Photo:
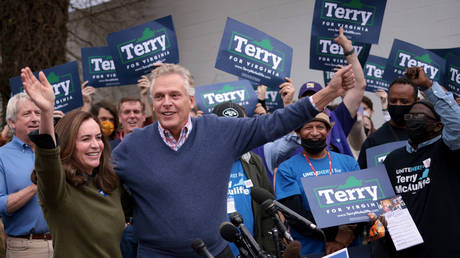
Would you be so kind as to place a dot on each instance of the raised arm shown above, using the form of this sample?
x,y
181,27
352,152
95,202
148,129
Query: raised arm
x,y
342,81
444,104
42,94
352,98
87,94
144,84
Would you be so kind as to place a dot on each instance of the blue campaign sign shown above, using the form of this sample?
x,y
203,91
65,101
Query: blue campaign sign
x,y
377,154
66,85
273,99
404,55
444,52
239,92
360,19
136,49
373,72
347,198
253,55
453,74
326,55
98,67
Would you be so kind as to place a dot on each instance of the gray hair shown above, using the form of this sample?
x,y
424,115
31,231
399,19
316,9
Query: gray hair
x,y
12,107
166,69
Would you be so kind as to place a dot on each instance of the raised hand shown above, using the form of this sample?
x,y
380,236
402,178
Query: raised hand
x,y
418,77
261,91
40,92
342,80
343,41
87,92
287,91
143,84
383,98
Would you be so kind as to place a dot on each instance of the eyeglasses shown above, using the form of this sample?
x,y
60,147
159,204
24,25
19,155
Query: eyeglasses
x,y
417,116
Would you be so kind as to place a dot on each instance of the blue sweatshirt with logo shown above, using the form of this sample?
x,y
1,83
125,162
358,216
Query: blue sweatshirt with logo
x,y
181,195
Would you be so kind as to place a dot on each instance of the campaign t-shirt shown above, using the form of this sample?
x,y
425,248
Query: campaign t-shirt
x,y
288,183
239,198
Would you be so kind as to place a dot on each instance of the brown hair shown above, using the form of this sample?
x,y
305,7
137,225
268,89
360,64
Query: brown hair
x,y
130,99
104,175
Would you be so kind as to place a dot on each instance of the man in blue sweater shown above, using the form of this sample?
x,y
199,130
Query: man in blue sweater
x,y
177,169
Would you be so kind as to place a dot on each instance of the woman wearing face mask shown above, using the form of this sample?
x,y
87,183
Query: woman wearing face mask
x,y
78,189
107,116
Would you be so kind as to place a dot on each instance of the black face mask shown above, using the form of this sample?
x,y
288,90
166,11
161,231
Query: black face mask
x,y
397,113
313,146
419,130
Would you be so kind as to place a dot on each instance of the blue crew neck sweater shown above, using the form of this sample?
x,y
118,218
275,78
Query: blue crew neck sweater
x,y
181,195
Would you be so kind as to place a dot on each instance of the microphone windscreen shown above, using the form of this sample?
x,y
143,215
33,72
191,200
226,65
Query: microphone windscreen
x,y
229,232
197,244
292,250
260,195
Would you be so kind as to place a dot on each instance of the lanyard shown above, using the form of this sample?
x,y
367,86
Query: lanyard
x,y
312,168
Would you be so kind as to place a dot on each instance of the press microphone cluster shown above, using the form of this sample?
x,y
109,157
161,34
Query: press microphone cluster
x,y
242,238
268,202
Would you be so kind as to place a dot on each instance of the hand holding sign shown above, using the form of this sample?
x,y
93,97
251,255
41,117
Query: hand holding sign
x,y
287,91
86,93
40,92
143,84
418,76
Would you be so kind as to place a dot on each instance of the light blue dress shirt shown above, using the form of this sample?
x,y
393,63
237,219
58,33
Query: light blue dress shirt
x,y
16,165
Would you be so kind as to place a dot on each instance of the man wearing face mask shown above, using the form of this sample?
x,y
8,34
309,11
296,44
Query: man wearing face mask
x,y
314,160
402,94
426,172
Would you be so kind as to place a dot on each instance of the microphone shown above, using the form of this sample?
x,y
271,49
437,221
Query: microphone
x,y
267,200
200,248
230,233
292,250
237,220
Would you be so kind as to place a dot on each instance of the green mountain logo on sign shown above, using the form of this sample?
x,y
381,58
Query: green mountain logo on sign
x,y
353,12
226,93
62,84
352,191
150,42
101,64
261,52
405,59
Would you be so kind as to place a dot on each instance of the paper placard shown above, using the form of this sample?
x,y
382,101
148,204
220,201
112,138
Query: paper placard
x,y
98,67
348,197
253,55
361,19
65,82
136,49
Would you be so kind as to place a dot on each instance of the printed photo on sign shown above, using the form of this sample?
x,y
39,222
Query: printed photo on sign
x,y
239,92
347,198
404,55
373,72
253,55
137,49
98,67
65,82
377,154
326,55
360,19
453,75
